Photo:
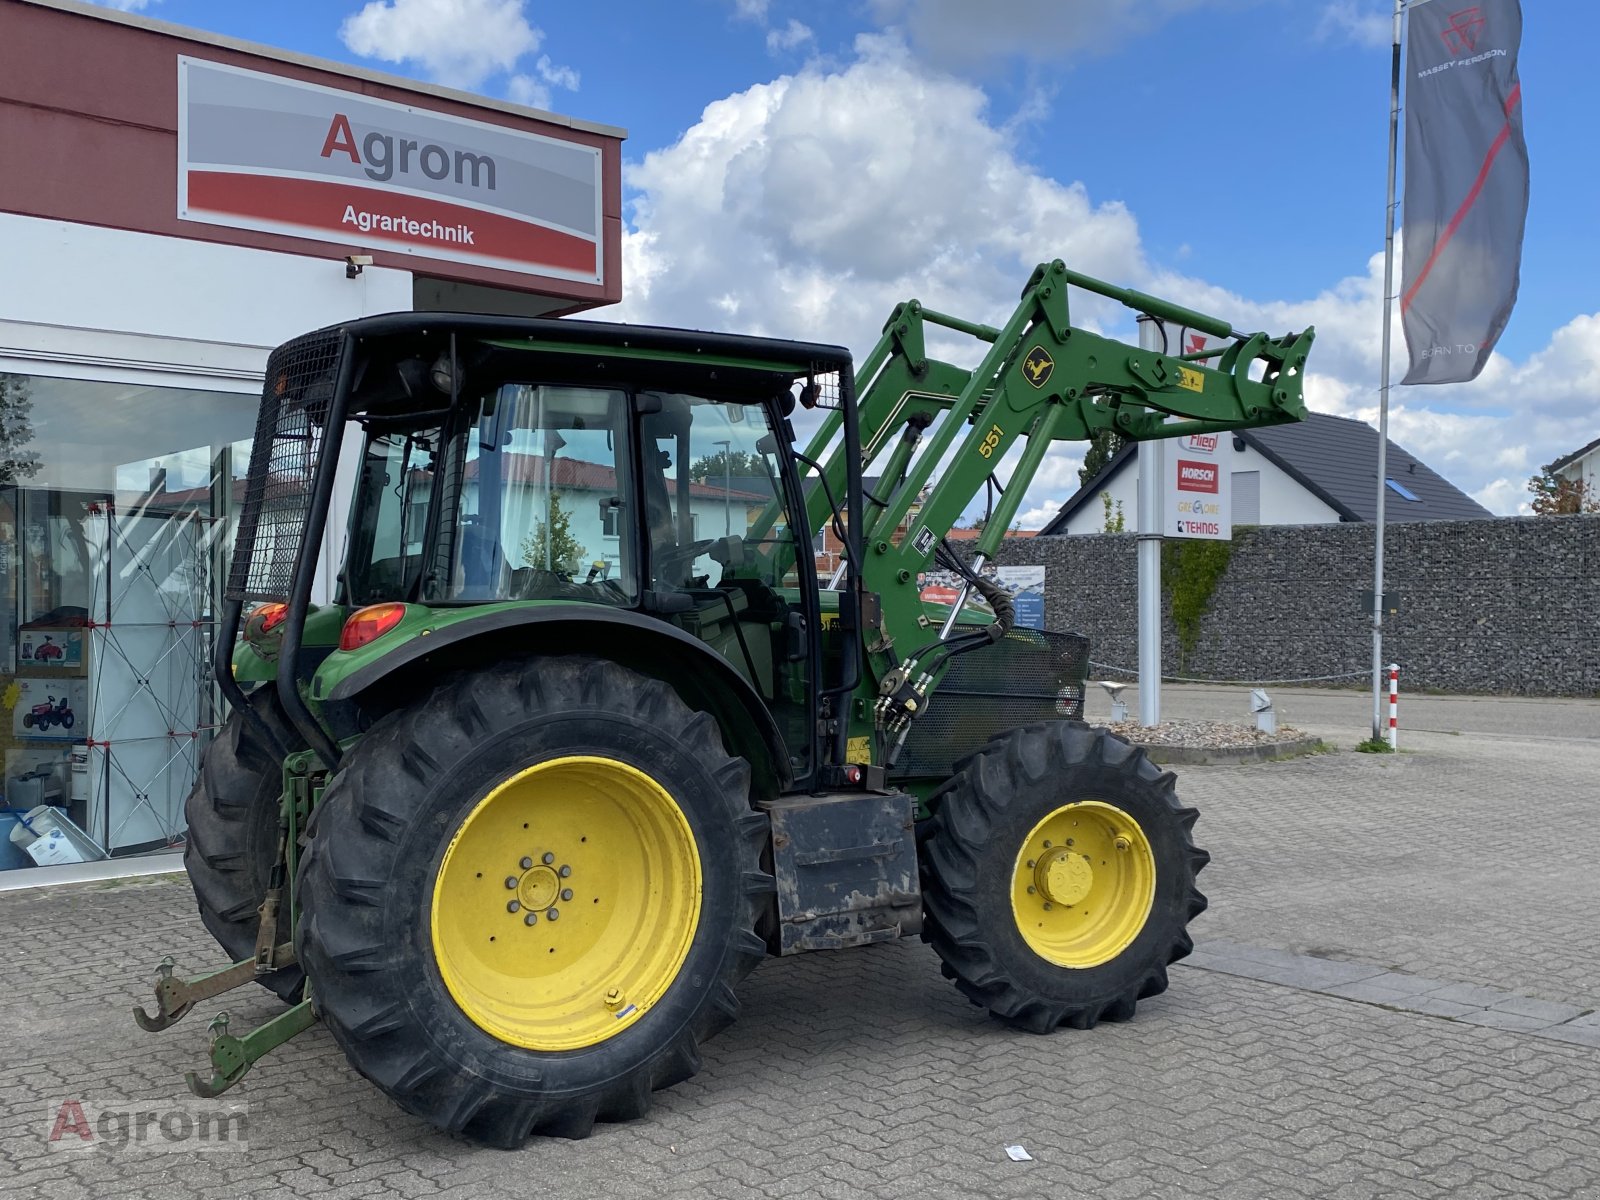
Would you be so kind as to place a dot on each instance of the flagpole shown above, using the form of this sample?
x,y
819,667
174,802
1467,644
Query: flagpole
x,y
1383,381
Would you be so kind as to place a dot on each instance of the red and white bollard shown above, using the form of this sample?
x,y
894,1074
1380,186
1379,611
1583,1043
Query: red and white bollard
x,y
1394,706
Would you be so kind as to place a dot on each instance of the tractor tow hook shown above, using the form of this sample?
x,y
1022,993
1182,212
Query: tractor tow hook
x,y
232,1057
175,997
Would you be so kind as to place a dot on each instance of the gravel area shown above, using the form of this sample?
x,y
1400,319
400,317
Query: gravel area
x,y
1203,735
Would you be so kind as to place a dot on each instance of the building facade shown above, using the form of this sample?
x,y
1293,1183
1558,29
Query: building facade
x,y
172,206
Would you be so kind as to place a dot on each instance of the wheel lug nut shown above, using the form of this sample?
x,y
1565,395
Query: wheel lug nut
x,y
1047,906
514,906
1069,841
511,881
565,871
552,913
1047,845
566,893
526,862
1030,862
1030,890
548,859
531,919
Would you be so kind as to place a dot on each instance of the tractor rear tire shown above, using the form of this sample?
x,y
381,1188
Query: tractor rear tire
x,y
1059,877
541,812
233,834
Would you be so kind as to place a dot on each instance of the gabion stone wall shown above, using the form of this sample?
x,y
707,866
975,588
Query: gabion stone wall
x,y
1506,606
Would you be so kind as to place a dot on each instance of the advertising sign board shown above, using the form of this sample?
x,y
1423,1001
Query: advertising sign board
x,y
279,155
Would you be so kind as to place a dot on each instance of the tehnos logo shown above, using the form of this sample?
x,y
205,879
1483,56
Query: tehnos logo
x,y
1196,476
382,156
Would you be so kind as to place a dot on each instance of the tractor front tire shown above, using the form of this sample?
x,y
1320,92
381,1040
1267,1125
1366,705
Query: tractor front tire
x,y
528,896
1059,877
233,812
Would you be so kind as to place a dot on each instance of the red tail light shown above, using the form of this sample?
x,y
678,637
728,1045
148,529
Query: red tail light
x,y
271,616
369,624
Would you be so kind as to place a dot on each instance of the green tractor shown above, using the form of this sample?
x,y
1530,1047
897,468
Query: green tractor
x,y
581,734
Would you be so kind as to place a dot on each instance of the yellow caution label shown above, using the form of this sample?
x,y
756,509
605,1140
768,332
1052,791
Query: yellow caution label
x,y
858,750
1191,379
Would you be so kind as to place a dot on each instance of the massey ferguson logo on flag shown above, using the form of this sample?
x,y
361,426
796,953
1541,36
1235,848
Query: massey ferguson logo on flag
x,y
264,152
1466,189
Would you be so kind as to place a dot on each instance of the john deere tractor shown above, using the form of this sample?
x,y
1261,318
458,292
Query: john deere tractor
x,y
584,730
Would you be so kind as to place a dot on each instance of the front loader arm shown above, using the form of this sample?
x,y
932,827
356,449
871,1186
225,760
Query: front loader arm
x,y
1042,381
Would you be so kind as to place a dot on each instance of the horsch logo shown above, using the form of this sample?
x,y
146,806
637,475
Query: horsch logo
x,y
382,157
1196,476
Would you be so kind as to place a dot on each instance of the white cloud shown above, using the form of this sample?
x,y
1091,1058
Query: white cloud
x,y
1357,21
459,43
534,90
958,32
790,37
751,10
124,5
807,207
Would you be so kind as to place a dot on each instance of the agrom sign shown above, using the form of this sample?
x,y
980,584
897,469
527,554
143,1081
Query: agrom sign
x,y
262,152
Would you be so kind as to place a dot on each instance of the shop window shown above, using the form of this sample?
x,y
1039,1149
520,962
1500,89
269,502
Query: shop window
x,y
116,511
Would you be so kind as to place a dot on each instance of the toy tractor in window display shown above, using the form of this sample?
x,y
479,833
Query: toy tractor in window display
x,y
580,737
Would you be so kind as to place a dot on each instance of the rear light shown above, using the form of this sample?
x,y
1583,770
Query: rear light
x,y
270,616
369,624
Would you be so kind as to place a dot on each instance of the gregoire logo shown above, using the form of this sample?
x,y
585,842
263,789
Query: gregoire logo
x,y
258,151
1197,476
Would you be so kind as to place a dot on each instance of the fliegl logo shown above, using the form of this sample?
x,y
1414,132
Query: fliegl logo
x,y
1204,443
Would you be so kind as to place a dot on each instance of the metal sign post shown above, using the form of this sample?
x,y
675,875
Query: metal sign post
x,y
1151,474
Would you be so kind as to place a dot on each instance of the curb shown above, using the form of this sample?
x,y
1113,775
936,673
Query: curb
x,y
1216,756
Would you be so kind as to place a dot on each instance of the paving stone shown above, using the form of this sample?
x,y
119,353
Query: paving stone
x,y
1429,1006
866,1074
1494,1018
1578,1035
1467,993
1552,1014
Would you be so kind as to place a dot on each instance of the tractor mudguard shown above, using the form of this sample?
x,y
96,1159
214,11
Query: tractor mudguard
x,y
464,637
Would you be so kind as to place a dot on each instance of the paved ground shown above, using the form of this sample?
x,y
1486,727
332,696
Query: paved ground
x,y
1263,1073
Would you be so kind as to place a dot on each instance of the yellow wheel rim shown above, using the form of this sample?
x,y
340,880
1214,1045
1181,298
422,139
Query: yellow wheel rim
x,y
1084,881
566,903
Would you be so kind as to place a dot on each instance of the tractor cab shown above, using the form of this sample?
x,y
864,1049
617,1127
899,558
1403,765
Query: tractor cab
x,y
509,475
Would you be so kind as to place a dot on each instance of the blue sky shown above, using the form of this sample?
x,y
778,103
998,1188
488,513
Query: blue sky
x,y
795,168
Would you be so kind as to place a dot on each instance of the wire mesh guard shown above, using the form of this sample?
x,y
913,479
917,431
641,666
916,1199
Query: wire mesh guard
x,y
1029,675
283,461
822,389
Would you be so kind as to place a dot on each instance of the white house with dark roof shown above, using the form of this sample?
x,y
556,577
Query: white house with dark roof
x,y
1581,466
1319,471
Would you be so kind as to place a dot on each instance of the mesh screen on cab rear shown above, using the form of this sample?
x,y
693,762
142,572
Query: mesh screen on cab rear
x,y
1029,675
277,498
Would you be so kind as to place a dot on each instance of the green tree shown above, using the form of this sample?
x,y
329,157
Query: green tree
x,y
1556,495
1103,447
1115,522
17,460
565,554
724,464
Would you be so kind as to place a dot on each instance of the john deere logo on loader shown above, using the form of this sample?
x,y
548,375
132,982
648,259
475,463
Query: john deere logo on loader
x,y
1037,366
